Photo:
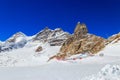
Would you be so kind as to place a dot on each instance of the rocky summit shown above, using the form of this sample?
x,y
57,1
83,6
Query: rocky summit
x,y
54,37
19,40
81,42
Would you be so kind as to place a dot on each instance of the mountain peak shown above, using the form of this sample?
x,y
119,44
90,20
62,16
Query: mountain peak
x,y
53,37
81,42
80,29
19,34
46,29
16,36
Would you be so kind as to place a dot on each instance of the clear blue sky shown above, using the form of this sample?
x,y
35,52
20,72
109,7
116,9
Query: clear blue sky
x,y
30,16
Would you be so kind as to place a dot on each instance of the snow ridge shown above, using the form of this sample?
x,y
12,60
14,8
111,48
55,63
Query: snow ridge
x,y
19,40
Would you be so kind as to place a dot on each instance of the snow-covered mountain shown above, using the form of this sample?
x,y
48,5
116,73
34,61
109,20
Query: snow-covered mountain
x,y
22,50
19,40
47,43
53,37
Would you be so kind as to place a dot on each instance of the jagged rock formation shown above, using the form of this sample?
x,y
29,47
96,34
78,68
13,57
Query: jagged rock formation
x,y
43,35
81,42
53,37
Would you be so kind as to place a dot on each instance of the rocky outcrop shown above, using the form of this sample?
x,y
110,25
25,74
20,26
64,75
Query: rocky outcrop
x,y
81,42
42,35
39,49
54,37
80,31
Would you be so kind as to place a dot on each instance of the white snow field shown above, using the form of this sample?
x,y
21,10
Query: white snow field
x,y
109,72
26,64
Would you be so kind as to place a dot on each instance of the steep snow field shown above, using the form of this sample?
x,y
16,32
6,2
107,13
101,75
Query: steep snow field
x,y
26,64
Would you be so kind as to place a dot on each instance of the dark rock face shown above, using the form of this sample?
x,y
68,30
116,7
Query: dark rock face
x,y
81,42
43,35
39,49
54,37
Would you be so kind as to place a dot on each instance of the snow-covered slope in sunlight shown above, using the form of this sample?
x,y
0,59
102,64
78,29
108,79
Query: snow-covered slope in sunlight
x,y
109,56
27,56
21,50
37,67
109,72
50,71
112,49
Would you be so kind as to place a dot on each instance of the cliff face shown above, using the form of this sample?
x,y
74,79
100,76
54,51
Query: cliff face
x,y
54,37
81,42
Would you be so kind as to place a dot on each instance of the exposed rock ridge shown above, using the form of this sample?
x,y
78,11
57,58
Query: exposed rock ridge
x,y
81,42
54,37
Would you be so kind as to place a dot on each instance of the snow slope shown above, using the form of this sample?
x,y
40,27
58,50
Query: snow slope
x,y
26,64
27,56
109,72
111,59
112,49
55,70
51,71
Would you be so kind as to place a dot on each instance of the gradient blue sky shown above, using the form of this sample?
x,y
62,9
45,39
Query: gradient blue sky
x,y
30,16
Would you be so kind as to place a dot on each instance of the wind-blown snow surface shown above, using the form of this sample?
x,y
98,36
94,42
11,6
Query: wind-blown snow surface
x,y
30,65
109,72
27,56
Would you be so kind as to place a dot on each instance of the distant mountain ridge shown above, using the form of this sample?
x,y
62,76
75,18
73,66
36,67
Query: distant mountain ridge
x,y
71,44
23,50
82,42
18,40
53,37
